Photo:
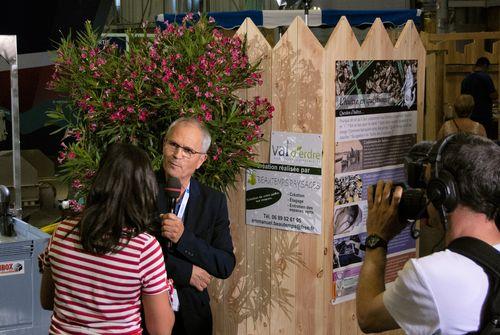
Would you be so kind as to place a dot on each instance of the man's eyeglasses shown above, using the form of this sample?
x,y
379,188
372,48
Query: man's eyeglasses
x,y
186,151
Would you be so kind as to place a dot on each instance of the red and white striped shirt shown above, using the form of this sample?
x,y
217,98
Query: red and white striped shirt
x,y
100,294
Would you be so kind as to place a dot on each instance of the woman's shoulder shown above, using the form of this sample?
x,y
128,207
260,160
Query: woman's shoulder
x,y
144,238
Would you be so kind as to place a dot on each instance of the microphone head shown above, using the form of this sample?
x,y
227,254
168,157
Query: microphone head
x,y
173,187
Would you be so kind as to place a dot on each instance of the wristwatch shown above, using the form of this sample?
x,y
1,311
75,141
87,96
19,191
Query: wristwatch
x,y
374,241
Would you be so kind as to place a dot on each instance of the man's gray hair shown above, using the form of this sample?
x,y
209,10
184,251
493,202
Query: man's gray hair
x,y
206,140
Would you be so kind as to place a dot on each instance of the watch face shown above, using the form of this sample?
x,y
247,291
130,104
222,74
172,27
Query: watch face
x,y
374,241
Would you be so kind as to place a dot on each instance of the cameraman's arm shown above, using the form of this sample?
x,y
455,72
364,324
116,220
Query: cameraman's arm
x,y
383,221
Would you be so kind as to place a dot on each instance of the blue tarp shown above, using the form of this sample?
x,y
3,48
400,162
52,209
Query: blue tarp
x,y
396,17
326,17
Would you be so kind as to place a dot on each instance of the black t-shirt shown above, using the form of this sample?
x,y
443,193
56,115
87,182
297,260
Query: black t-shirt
x,y
480,86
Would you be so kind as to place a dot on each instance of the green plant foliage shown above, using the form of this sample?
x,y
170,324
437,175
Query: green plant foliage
x,y
190,69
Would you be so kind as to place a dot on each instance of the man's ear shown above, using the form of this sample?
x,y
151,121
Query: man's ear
x,y
201,160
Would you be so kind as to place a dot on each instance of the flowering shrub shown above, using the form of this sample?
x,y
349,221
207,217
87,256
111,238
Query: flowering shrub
x,y
132,96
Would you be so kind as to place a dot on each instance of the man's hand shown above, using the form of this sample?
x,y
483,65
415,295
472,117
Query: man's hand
x,y
199,278
383,217
171,227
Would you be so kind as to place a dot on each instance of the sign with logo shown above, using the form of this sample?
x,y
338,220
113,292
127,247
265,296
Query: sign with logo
x,y
284,197
296,149
11,268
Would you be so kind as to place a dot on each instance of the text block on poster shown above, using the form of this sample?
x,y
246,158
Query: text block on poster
x,y
284,197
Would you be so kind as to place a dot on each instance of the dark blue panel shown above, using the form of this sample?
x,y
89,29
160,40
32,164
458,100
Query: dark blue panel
x,y
330,17
396,17
226,20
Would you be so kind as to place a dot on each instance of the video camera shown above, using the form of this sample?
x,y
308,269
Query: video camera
x,y
413,203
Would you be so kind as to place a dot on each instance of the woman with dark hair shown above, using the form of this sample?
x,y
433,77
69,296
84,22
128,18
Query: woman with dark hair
x,y
98,267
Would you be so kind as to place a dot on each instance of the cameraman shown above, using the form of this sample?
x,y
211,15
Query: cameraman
x,y
442,293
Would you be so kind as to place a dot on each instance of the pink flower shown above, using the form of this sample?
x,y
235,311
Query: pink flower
x,y
71,155
208,116
75,206
89,174
172,88
78,135
153,54
128,85
76,184
61,158
143,115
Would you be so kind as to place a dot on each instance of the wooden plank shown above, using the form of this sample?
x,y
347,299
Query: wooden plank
x,y
464,69
342,45
310,95
432,98
284,92
485,35
257,281
409,46
377,44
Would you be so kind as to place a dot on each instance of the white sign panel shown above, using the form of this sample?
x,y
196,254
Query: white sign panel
x,y
296,149
284,197
11,268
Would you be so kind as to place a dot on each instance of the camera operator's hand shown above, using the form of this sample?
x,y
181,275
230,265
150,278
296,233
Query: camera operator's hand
x,y
383,217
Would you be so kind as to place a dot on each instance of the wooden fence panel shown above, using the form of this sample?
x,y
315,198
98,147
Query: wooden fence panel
x,y
283,280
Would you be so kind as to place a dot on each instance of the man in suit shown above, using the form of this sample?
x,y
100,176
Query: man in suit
x,y
197,241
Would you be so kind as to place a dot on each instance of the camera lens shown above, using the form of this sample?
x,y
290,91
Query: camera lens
x,y
412,205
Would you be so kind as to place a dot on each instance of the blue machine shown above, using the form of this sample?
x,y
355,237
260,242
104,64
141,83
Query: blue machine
x,y
20,310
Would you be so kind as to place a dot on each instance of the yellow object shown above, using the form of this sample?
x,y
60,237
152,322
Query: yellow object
x,y
49,229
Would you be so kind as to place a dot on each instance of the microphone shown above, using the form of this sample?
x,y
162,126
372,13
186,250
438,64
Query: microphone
x,y
172,192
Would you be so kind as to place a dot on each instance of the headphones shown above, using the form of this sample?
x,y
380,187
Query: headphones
x,y
442,188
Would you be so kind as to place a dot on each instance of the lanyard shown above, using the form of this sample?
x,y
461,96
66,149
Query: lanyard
x,y
182,207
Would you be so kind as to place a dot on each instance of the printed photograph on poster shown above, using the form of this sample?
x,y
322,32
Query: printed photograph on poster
x,y
375,84
396,174
345,279
284,197
345,283
348,250
349,219
372,153
299,149
349,255
353,188
348,156
348,189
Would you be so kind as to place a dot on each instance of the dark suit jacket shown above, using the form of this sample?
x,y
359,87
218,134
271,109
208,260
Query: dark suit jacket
x,y
206,242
